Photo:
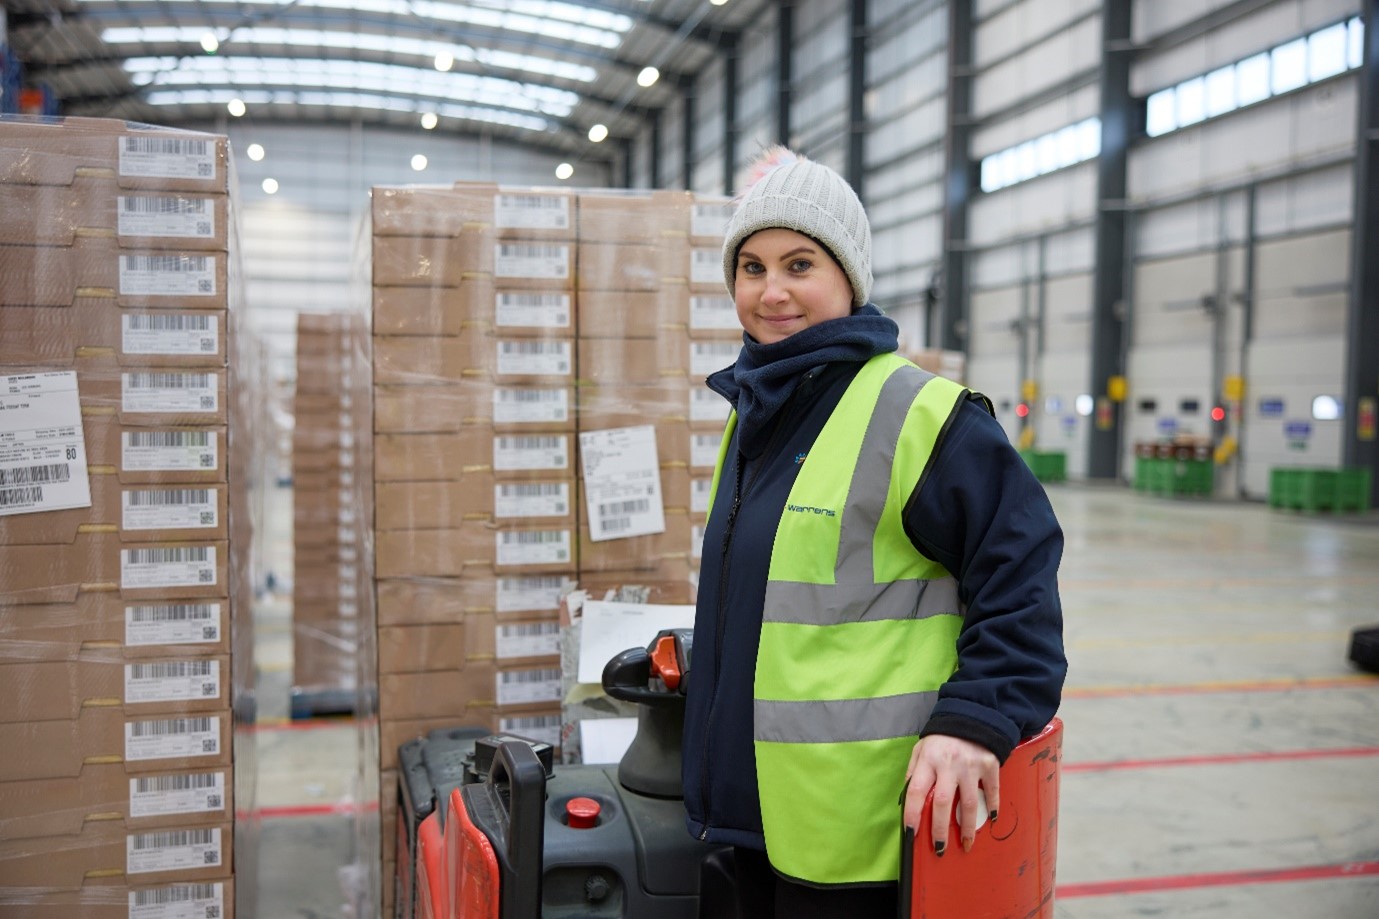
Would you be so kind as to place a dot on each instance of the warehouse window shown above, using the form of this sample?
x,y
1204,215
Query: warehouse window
x,y
1059,149
1289,66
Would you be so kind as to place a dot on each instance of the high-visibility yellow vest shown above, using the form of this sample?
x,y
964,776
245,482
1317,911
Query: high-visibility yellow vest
x,y
859,631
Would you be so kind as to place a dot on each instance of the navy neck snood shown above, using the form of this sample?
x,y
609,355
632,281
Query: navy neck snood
x,y
765,376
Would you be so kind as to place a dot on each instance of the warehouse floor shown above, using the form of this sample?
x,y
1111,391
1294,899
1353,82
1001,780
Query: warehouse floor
x,y
1221,756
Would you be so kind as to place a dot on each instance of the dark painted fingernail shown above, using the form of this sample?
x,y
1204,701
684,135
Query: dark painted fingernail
x,y
938,849
993,816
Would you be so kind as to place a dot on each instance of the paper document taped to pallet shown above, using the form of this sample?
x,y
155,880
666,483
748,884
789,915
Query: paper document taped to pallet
x,y
608,629
42,446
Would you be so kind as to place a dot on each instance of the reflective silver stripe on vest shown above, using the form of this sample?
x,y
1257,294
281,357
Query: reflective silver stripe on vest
x,y
855,596
844,720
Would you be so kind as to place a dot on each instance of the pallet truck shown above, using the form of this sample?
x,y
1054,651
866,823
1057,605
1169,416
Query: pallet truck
x,y
489,828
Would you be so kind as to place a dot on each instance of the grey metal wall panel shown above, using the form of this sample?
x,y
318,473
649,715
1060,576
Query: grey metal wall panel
x,y
1278,428
1307,202
1046,203
1041,67
1069,108
1302,286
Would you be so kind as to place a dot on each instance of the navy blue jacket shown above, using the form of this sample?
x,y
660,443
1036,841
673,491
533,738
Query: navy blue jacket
x,y
978,511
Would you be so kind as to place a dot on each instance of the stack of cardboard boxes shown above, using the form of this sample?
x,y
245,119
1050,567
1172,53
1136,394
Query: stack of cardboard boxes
x,y
329,511
537,356
122,643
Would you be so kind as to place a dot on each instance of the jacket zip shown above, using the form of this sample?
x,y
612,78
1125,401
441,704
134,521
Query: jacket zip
x,y
739,492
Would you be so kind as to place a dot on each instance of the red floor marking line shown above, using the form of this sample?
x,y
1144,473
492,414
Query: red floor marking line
x,y
311,810
1220,759
1185,689
1218,879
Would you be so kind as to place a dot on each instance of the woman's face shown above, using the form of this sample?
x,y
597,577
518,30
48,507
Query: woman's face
x,y
786,282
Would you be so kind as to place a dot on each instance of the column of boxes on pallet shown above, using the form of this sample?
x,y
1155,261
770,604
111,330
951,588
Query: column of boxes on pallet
x,y
329,431
536,356
116,544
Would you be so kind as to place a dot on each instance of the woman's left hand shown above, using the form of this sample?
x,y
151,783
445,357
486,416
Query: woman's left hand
x,y
957,770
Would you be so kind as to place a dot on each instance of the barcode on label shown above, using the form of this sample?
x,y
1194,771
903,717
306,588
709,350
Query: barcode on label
x,y
162,670
172,839
174,263
169,438
534,347
528,676
165,146
167,380
534,300
534,490
508,443
164,205
178,612
182,893
167,497
165,783
167,556
36,475
529,723
170,726
530,395
637,506
532,201
171,322
519,250
552,583
532,538
14,497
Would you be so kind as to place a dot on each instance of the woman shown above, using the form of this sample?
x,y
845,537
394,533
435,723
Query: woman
x,y
878,609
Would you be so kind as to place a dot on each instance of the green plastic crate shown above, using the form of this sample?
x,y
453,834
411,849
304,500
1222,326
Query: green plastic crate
x,y
1047,465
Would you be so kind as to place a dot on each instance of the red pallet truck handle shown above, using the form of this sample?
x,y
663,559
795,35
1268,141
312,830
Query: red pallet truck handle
x,y
1009,874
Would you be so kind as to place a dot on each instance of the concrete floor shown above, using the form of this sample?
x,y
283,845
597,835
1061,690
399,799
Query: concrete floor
x,y
1221,756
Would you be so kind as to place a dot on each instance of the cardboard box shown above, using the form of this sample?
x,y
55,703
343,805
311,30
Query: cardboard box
x,y
703,266
56,151
609,362
99,561
615,215
325,403
480,637
478,498
949,364
475,303
95,205
503,210
623,314
139,455
98,268
420,457
454,693
105,850
427,261
636,553
58,690
105,792
142,743
65,336
112,901
475,551
437,408
646,266
621,405
476,357
136,513
672,580
708,219
104,624
416,601
154,396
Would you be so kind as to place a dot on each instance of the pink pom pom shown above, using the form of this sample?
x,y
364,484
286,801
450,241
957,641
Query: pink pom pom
x,y
771,159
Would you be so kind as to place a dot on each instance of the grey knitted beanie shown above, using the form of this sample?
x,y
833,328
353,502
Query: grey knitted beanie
x,y
787,190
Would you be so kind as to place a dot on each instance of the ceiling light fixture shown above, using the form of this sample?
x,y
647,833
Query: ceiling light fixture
x,y
429,120
255,152
419,162
236,107
210,43
444,61
648,76
564,171
598,133
270,186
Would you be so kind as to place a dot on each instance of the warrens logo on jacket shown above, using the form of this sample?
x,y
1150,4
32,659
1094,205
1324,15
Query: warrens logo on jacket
x,y
805,509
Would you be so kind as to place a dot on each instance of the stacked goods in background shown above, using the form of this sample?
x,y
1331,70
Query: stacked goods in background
x,y
125,621
331,429
536,356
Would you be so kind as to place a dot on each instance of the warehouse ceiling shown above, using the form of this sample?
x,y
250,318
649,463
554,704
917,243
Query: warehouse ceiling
x,y
540,72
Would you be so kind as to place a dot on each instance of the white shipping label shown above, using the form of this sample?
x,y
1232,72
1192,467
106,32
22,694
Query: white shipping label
x,y
707,405
170,509
178,901
171,681
533,547
171,738
704,449
531,499
169,393
167,158
710,313
532,310
176,334
533,358
534,451
164,795
538,592
174,217
710,219
173,850
169,451
531,212
531,406
527,639
537,261
172,624
706,266
42,445
179,566
522,687
622,481
541,728
167,275
699,495
709,356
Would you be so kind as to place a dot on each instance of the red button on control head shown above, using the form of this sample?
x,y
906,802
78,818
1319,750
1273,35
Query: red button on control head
x,y
582,813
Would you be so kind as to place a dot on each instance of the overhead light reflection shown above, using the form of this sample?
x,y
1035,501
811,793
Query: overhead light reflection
x,y
598,133
419,162
444,61
236,107
648,76
429,120
210,43
255,152
564,171
270,186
